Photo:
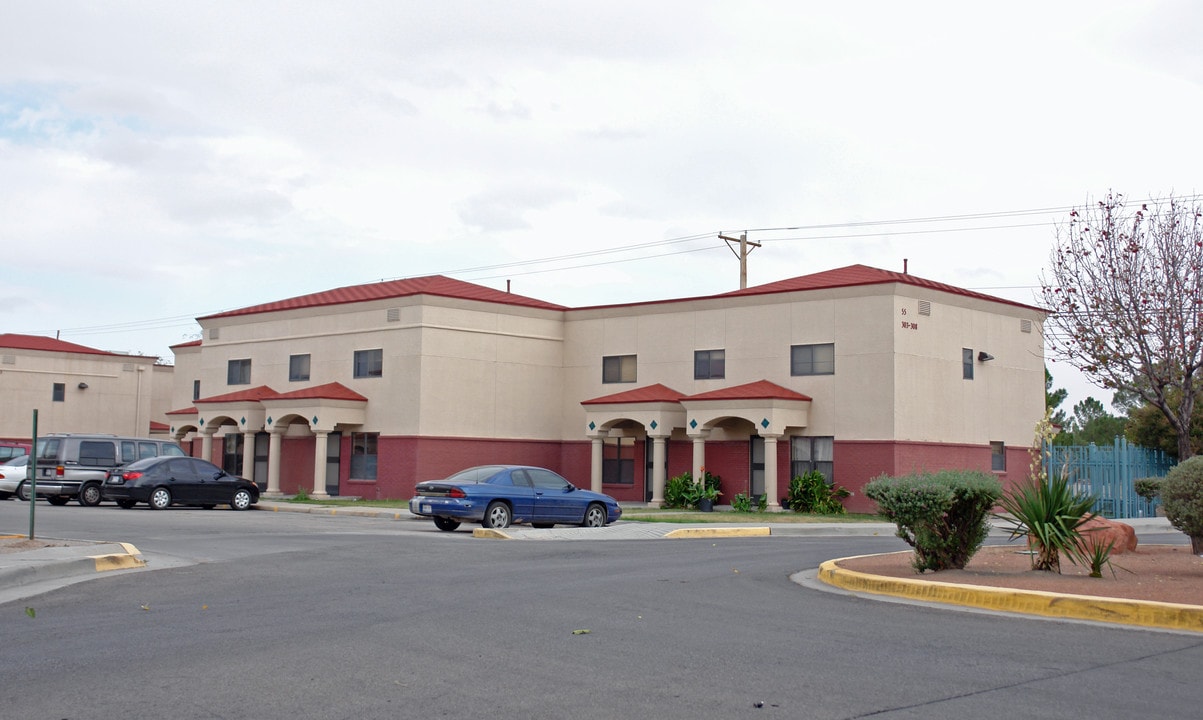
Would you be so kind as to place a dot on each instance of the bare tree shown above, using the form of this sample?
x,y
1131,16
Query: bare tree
x,y
1126,294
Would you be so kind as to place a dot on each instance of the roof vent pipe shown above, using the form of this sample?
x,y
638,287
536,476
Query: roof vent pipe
x,y
904,272
507,287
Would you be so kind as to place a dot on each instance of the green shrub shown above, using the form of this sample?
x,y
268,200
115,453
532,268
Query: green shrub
x,y
682,492
679,491
810,493
1048,513
941,515
741,503
1148,488
1182,499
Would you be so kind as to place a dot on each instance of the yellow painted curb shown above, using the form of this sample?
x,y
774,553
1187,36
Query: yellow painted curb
x,y
1170,616
131,558
718,532
490,533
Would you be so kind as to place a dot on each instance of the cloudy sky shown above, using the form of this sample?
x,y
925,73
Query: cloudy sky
x,y
161,161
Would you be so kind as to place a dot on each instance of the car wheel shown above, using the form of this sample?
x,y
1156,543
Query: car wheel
x,y
446,524
595,516
241,499
497,515
126,504
59,500
160,498
89,495
23,490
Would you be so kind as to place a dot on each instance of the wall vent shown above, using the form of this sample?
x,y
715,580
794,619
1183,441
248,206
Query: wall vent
x,y
8,359
394,314
1025,326
127,367
925,307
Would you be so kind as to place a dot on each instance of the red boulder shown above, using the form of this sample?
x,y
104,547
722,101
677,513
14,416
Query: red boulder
x,y
1099,531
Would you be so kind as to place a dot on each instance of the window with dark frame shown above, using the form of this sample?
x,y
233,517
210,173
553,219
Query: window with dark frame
x,y
59,392
298,368
812,453
196,389
618,369
816,359
618,461
369,363
998,456
967,363
709,364
363,455
238,372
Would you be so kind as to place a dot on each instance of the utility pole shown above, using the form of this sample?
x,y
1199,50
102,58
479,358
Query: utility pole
x,y
745,247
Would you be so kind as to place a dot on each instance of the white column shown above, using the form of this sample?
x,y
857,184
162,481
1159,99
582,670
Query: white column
x,y
699,456
273,462
248,456
207,444
319,464
595,466
657,472
770,472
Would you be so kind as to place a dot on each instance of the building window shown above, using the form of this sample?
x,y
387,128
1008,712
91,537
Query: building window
x,y
812,453
59,392
967,363
298,368
196,389
238,372
618,461
363,455
618,369
812,359
998,456
369,363
709,364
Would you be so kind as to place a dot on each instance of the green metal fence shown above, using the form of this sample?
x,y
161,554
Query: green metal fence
x,y
1108,473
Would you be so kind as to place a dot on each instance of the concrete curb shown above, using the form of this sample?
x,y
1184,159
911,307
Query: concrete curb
x,y
382,513
705,532
82,558
1120,611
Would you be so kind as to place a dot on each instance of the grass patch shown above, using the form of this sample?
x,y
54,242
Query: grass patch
x,y
729,516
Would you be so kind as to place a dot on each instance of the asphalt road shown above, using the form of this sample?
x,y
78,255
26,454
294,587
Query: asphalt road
x,y
274,615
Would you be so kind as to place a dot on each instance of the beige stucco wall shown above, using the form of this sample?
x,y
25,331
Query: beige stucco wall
x,y
458,368
118,397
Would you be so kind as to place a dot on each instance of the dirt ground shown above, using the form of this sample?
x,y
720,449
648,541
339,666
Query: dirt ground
x,y
1163,573
21,544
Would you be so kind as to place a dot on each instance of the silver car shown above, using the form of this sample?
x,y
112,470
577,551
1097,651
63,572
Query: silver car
x,y
12,474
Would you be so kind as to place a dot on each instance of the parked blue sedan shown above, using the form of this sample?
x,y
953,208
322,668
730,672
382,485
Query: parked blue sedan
x,y
497,495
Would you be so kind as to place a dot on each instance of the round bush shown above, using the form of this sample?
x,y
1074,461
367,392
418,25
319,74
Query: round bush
x,y
1182,498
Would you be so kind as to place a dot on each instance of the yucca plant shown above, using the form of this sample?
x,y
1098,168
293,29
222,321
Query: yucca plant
x,y
1049,514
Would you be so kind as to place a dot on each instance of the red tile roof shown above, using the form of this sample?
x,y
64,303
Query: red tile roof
x,y
651,393
854,275
183,411
759,390
430,285
159,427
47,344
190,343
329,391
254,394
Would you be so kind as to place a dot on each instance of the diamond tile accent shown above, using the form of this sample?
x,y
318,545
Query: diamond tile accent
x,y
653,425
592,426
764,423
315,419
244,421
693,424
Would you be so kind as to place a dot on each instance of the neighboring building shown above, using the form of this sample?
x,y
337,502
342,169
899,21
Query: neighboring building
x,y
79,389
367,390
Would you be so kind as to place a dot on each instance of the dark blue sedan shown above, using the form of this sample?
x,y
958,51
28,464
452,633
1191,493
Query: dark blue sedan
x,y
497,495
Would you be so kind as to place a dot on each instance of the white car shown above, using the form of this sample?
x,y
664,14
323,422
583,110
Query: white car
x,y
12,473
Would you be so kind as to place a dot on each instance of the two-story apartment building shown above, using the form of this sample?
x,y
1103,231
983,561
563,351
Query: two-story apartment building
x,y
76,388
367,390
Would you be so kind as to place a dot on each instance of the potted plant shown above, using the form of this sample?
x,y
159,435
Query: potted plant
x,y
706,494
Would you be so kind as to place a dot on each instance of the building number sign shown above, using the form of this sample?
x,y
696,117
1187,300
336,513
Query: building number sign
x,y
908,325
